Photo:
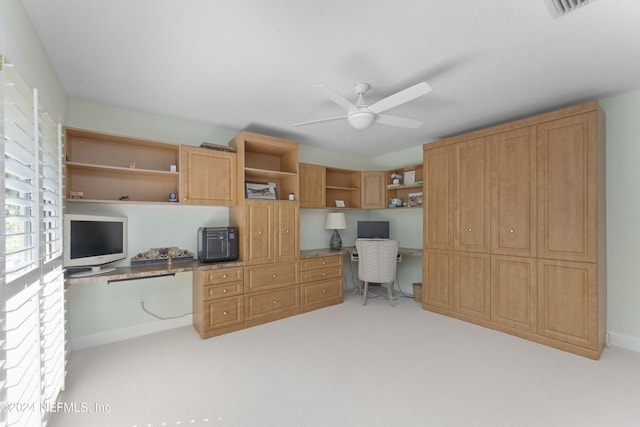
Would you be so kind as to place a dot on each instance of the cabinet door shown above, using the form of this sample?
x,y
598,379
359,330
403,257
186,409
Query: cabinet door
x,y
438,190
373,191
312,186
208,177
567,302
513,193
472,284
513,292
567,188
286,227
472,196
437,277
259,239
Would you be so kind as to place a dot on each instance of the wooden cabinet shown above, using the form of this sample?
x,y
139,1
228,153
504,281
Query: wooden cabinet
x,y
321,282
270,276
269,231
343,185
218,304
312,186
543,228
373,190
114,168
208,177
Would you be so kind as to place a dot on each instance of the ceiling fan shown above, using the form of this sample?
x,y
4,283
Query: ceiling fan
x,y
361,116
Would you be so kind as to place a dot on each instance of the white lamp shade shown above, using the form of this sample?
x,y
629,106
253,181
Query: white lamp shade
x,y
335,221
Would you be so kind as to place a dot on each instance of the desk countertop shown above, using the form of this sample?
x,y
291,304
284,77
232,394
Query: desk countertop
x,y
155,270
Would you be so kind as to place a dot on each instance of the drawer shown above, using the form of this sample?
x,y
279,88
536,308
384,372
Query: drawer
x,y
222,290
271,305
223,275
224,313
320,274
322,294
270,276
321,262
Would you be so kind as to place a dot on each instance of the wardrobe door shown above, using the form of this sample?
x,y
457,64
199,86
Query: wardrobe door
x,y
513,193
514,292
567,188
438,190
472,196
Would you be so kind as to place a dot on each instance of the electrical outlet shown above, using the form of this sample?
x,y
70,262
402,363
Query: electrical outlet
x,y
142,299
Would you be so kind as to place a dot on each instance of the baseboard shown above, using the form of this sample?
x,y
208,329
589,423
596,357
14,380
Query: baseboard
x,y
623,341
130,332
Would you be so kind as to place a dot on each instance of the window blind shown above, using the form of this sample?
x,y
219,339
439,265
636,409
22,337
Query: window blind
x,y
33,334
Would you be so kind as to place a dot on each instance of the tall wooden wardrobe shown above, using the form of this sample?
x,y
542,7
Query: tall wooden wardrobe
x,y
514,228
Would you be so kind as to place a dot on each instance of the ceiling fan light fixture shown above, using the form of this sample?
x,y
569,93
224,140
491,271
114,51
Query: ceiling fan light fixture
x,y
361,119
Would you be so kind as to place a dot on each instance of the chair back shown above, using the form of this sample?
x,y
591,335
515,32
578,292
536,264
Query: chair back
x,y
377,260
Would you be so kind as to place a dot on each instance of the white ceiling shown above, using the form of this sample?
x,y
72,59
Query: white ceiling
x,y
253,64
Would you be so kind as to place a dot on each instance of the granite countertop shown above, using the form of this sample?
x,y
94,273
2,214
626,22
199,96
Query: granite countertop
x,y
156,270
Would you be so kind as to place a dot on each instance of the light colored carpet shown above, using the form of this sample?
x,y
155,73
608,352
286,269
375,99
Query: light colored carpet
x,y
349,365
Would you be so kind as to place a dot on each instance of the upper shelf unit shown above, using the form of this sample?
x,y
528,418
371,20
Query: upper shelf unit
x,y
104,167
409,187
342,185
266,159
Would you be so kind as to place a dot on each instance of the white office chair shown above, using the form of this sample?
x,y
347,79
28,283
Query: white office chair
x,y
377,264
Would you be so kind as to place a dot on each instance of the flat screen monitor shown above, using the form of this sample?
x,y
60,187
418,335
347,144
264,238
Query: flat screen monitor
x,y
373,229
92,241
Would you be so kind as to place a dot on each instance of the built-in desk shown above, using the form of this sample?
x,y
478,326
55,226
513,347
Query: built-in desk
x,y
353,253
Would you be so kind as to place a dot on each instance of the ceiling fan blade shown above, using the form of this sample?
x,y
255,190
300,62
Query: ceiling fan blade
x,y
311,122
402,122
400,97
338,99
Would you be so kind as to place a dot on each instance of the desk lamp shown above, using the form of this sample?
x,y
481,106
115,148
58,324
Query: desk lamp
x,y
335,221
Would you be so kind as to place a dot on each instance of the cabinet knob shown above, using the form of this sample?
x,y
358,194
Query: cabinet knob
x,y
324,274
287,231
259,231
469,230
275,301
185,198
511,230
324,292
322,262
224,291
275,275
225,313
224,276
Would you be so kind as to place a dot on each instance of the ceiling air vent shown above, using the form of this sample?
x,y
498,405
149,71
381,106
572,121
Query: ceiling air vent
x,y
559,8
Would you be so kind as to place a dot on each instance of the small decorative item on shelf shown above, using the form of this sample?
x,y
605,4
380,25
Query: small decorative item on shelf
x,y
161,255
292,197
340,204
396,177
124,197
76,194
260,190
414,199
172,168
410,177
132,165
396,203
173,197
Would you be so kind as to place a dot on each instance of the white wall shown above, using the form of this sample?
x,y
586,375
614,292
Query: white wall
x,y
623,215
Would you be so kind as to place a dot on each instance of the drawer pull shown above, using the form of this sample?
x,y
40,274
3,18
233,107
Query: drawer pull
x,y
275,301
324,292
511,230
324,274
287,231
275,275
259,231
224,291
225,313
469,230
224,276
323,262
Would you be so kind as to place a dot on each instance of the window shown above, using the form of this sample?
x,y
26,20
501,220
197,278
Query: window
x,y
32,336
